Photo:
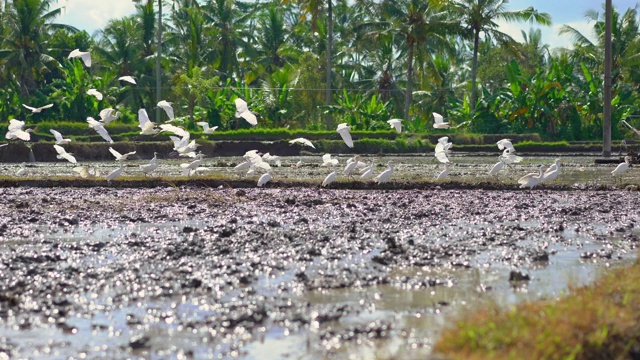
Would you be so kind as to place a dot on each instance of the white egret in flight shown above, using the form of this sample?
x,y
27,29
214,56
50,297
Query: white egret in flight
x,y
127,78
37,109
343,130
242,110
59,139
84,55
99,128
120,157
147,126
96,93
302,141
438,122
205,127
63,154
396,124
166,106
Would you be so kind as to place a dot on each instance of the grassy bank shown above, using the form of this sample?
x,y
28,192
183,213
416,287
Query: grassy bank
x,y
601,321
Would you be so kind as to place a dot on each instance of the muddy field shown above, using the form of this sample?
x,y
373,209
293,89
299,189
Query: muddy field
x,y
285,273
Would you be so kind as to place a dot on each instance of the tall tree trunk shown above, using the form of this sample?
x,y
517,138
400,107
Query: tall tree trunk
x,y
327,100
606,112
158,62
474,70
409,92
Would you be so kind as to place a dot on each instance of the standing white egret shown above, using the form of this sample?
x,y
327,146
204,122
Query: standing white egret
x,y
242,110
63,154
552,172
120,157
188,169
330,178
205,127
96,93
59,139
367,171
444,173
265,178
532,179
152,165
395,124
108,115
351,166
37,109
438,122
301,141
385,175
343,129
84,55
115,173
166,106
622,167
99,128
496,168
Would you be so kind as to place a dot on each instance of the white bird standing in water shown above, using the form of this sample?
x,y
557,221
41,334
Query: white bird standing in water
x,y
343,130
552,172
385,175
265,178
152,165
351,166
115,173
532,179
444,173
331,177
188,169
497,168
622,167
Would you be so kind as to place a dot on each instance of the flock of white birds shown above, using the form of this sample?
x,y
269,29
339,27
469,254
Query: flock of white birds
x,y
254,162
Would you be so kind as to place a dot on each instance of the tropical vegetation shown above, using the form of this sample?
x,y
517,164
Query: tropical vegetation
x,y
311,64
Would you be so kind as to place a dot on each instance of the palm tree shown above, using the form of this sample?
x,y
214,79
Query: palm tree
x,y
24,48
625,45
417,23
480,16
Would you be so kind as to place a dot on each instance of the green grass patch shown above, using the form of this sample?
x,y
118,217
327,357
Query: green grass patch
x,y
601,321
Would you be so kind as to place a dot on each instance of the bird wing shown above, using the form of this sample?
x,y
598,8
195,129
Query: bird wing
x,y
29,107
56,134
437,118
241,106
176,130
128,79
103,132
326,158
59,149
250,117
442,157
115,153
95,93
166,106
205,125
143,118
346,137
15,124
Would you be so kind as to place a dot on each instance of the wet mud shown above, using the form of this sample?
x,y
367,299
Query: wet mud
x,y
193,272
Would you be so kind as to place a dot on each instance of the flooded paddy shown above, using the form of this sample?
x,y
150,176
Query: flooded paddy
x,y
193,272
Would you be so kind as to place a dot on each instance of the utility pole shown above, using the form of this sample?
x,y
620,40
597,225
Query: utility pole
x,y
159,62
329,119
606,121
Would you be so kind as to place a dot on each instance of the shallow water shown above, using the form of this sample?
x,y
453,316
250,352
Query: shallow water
x,y
576,168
